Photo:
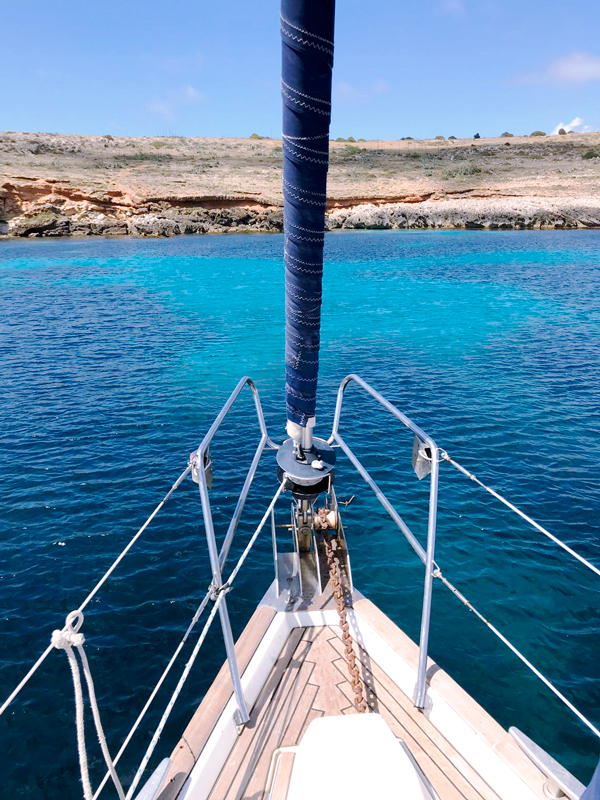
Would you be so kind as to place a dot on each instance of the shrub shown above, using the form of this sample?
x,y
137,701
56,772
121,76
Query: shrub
x,y
469,169
407,139
109,137
537,133
362,140
256,136
157,158
562,132
340,139
351,139
276,149
452,137
591,154
477,136
506,135
440,138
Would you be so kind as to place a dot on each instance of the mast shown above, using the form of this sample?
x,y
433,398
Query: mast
x,y
307,61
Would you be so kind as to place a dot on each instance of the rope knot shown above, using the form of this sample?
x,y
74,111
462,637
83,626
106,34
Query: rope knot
x,y
69,636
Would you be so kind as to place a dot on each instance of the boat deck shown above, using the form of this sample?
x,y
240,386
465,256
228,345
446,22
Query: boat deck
x,y
310,680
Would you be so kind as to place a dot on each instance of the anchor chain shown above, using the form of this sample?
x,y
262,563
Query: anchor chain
x,y
333,562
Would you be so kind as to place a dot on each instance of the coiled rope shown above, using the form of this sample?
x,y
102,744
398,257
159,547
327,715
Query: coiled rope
x,y
67,639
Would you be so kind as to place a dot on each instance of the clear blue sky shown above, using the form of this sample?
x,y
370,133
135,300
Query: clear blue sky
x,y
207,68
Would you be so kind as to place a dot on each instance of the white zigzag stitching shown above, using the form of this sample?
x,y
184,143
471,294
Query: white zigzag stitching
x,y
306,105
305,158
308,149
305,41
304,199
306,230
307,33
307,96
306,191
307,138
304,238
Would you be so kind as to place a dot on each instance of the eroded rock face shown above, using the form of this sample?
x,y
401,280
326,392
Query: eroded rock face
x,y
54,208
472,213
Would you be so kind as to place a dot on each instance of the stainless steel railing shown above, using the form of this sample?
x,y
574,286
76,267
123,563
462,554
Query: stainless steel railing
x,y
217,559
426,556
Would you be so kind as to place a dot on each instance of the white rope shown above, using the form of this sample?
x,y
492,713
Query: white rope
x,y
66,639
221,594
118,560
524,516
174,697
437,574
261,525
161,680
95,590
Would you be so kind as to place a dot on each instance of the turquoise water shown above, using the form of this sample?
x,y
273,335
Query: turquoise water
x,y
116,356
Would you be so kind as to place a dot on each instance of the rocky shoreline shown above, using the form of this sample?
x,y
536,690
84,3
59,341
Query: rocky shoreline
x,y
55,185
165,219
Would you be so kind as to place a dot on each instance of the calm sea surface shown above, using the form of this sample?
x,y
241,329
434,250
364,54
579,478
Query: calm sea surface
x,y
116,355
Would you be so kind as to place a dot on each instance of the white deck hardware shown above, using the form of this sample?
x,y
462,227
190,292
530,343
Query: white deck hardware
x,y
354,757
560,782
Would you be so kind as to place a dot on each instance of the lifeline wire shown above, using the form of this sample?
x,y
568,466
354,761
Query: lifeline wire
x,y
96,588
437,574
222,592
174,697
536,525
154,692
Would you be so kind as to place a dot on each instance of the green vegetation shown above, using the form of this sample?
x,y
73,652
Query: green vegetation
x,y
506,135
468,169
157,158
256,136
591,154
537,133
562,132
440,138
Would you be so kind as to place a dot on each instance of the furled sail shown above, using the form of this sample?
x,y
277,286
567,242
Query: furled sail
x,y
307,38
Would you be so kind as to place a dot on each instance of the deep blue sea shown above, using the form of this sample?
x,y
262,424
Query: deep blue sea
x,y
115,356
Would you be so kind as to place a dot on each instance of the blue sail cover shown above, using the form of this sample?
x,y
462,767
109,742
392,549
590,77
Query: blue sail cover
x,y
307,38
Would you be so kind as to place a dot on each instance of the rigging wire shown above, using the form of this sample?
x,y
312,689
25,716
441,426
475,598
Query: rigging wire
x,y
221,592
96,589
524,516
438,574
154,692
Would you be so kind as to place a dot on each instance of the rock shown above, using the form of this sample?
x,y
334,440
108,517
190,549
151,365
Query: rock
x,y
275,219
46,223
150,225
